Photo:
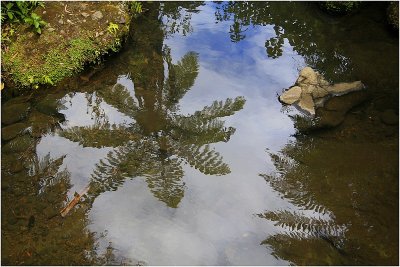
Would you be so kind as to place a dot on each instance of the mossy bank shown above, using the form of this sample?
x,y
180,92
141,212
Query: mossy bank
x,y
76,34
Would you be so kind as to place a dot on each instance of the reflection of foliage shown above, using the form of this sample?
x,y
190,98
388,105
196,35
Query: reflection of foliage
x,y
159,141
332,209
47,170
181,76
152,156
33,233
291,21
177,16
339,7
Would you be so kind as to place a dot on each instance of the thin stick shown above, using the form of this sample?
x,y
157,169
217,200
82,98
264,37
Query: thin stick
x,y
73,202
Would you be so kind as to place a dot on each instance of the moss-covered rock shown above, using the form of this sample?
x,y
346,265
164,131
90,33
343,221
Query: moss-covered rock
x,y
393,14
339,7
76,33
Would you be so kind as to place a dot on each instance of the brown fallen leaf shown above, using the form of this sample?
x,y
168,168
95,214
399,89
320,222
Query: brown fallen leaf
x,y
73,202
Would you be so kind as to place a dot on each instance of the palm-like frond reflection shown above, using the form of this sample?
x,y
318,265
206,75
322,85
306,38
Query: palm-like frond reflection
x,y
159,140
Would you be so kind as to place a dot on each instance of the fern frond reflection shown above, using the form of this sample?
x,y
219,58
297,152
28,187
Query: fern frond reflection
x,y
159,141
310,221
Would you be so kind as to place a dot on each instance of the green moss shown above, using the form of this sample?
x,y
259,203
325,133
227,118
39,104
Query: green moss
x,y
31,60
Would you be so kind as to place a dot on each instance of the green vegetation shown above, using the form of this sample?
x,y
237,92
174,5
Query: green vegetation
x,y
135,7
22,11
66,44
59,62
112,28
339,7
393,14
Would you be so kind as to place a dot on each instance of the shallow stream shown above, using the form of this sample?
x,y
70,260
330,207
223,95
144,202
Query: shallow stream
x,y
189,157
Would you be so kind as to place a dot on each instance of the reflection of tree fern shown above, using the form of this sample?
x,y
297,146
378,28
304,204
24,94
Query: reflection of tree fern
x,y
119,98
203,128
181,77
165,181
285,180
99,135
220,109
199,132
291,179
155,144
303,226
46,171
120,164
203,158
305,251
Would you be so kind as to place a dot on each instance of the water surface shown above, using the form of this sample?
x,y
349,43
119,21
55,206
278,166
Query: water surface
x,y
192,160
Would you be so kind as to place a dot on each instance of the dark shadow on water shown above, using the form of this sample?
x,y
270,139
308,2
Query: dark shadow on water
x,y
345,197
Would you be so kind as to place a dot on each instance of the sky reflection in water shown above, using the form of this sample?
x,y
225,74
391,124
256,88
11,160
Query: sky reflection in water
x,y
215,223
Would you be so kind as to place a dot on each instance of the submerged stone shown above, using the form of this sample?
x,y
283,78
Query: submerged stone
x,y
332,113
17,100
11,163
13,113
19,144
12,131
41,123
48,105
389,117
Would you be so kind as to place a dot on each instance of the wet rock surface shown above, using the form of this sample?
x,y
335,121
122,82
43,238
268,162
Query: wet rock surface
x,y
311,91
11,163
12,131
19,144
13,113
48,105
389,117
41,123
332,114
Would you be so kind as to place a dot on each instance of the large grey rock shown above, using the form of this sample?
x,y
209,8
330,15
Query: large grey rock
x,y
12,131
13,113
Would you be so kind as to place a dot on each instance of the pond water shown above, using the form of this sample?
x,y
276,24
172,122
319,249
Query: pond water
x,y
189,157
